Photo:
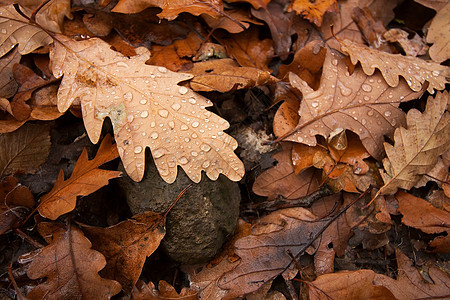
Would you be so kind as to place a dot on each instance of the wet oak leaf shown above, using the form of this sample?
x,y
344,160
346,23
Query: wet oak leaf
x,y
127,244
282,180
313,10
418,146
363,104
147,108
416,71
224,75
25,149
164,292
86,178
51,15
171,9
15,30
439,35
70,266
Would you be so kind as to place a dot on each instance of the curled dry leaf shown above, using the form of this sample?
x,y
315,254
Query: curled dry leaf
x,y
365,105
15,30
439,36
415,71
70,267
171,9
51,15
418,147
312,10
164,292
24,150
127,244
224,75
86,178
147,109
282,180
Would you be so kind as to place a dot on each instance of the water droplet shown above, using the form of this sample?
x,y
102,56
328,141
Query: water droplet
x,y
345,91
194,153
358,170
158,153
130,118
387,113
122,64
183,90
138,149
366,88
314,104
162,69
4,31
363,121
192,100
205,147
183,160
143,101
195,124
184,127
370,113
128,96
366,98
334,62
435,73
154,135
172,124
176,106
163,113
144,114
187,140
194,135
152,124
205,164
300,139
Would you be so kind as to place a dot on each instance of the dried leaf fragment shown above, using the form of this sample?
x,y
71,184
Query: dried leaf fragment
x,y
147,108
70,266
86,178
415,71
418,146
313,10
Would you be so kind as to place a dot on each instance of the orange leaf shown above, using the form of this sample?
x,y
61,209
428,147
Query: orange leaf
x,y
86,178
166,292
313,10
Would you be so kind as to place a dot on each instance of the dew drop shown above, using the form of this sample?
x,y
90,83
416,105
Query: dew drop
x,y
363,121
387,113
144,114
183,90
138,149
183,160
154,135
435,73
143,101
122,64
162,69
158,153
345,91
334,62
4,31
176,106
358,170
205,164
163,113
370,113
300,139
184,127
172,124
194,153
128,96
192,100
366,98
194,135
366,88
130,118
195,124
314,104
152,124
187,140
205,147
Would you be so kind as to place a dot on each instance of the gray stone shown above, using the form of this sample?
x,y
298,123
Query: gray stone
x,y
201,221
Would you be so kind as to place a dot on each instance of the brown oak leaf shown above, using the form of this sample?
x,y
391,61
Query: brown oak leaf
x,y
313,11
438,35
70,267
8,86
165,291
86,178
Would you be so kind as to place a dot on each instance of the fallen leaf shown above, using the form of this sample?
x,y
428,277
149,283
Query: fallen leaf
x,y
51,15
224,75
8,86
248,49
282,180
415,71
255,3
437,5
372,29
70,266
313,11
410,284
24,150
127,244
438,35
15,202
286,117
233,21
86,178
171,9
412,47
350,285
148,291
147,109
418,146
365,105
16,30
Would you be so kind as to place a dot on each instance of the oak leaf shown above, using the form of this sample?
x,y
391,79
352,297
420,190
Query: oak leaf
x,y
24,150
224,75
86,178
147,109
165,291
234,21
51,15
127,244
313,11
70,266
8,86
16,30
418,146
416,71
438,35
171,9
365,105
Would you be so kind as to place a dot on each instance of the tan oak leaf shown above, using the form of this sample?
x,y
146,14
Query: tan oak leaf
x,y
363,104
147,108
418,146
439,35
416,71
